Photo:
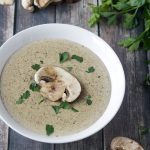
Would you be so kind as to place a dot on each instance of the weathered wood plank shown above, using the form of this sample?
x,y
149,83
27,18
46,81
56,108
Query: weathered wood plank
x,y
78,14
24,19
6,31
135,107
18,142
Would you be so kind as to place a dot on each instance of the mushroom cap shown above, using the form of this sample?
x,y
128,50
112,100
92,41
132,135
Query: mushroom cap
x,y
56,83
73,87
124,143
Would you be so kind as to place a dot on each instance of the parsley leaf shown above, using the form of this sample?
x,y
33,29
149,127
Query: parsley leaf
x,y
63,57
120,5
90,70
41,61
143,130
36,67
41,101
63,105
136,2
75,110
147,61
88,100
23,97
78,58
49,129
35,87
126,42
129,21
56,109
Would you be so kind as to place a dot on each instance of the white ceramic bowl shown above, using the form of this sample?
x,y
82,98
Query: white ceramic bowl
x,y
86,38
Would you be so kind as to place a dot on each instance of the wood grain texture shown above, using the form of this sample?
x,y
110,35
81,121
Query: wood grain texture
x,y
135,108
18,142
78,14
23,20
6,31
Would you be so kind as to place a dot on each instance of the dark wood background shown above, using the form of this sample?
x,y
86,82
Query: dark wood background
x,y
135,110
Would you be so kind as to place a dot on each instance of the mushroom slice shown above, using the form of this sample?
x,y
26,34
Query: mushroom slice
x,y
42,3
73,88
124,143
56,83
45,74
53,90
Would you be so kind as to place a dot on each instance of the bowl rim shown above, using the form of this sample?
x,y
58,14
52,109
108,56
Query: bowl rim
x,y
73,137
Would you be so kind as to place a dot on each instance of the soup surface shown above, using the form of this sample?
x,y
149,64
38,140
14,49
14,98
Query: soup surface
x,y
35,112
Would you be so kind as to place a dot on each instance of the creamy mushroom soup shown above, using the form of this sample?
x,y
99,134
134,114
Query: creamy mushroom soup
x,y
67,98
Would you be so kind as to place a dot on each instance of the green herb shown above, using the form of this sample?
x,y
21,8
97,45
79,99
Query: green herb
x,y
89,100
36,67
78,58
75,110
69,69
143,130
41,61
56,109
90,70
147,80
41,101
130,13
147,61
49,129
35,87
23,97
63,105
63,57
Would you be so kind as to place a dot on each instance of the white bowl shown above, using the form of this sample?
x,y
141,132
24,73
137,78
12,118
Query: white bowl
x,y
81,36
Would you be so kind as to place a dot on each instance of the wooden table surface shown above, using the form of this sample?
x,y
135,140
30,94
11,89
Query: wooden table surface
x,y
135,110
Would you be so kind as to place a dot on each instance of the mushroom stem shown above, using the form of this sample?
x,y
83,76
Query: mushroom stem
x,y
28,5
124,143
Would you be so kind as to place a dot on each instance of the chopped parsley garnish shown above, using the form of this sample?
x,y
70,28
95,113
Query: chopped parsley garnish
x,y
75,110
90,70
41,101
69,69
49,129
56,109
41,61
63,57
63,105
23,97
35,87
78,58
147,61
36,67
143,130
88,100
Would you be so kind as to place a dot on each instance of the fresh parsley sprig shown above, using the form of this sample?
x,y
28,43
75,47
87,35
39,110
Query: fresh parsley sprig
x,y
129,12
23,97
64,105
